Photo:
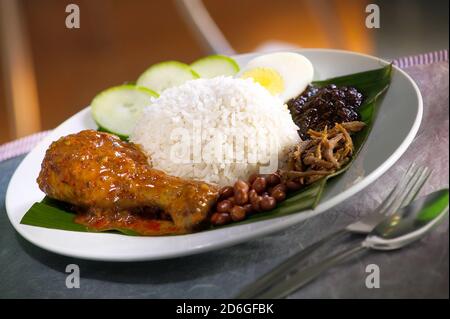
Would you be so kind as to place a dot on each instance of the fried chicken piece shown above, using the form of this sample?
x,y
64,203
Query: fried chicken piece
x,y
105,177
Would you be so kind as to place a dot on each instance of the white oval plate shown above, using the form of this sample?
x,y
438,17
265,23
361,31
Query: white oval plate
x,y
395,127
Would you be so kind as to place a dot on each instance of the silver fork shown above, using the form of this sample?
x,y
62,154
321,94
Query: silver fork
x,y
402,194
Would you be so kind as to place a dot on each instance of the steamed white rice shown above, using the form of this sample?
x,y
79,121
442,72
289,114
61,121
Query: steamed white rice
x,y
217,130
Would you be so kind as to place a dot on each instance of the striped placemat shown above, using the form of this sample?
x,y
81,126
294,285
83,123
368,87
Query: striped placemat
x,y
21,146
426,58
25,144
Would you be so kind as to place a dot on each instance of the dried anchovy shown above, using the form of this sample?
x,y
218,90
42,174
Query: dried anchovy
x,y
323,154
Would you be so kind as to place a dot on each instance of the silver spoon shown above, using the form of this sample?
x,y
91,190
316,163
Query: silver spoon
x,y
407,225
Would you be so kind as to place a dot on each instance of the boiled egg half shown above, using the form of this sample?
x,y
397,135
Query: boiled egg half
x,y
284,74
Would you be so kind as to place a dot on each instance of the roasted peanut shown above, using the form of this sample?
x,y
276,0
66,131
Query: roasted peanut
x,y
255,202
240,197
237,213
273,179
252,195
268,203
252,178
218,219
293,186
281,187
241,185
259,185
278,194
224,206
226,192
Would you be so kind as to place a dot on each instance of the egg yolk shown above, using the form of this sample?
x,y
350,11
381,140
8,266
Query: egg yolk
x,y
267,77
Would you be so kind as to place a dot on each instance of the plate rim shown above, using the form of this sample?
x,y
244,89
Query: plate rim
x,y
354,189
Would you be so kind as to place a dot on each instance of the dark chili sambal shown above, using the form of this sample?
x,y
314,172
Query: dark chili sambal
x,y
317,107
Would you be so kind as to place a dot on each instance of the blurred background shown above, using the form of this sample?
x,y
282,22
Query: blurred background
x,y
49,72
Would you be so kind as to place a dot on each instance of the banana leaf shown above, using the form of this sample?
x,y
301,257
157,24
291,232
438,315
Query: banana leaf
x,y
372,84
51,213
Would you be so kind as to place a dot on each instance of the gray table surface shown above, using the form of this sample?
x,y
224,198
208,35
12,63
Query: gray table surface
x,y
418,271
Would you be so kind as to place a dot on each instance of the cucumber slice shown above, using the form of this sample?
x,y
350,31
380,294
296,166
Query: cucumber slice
x,y
215,65
117,109
164,75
